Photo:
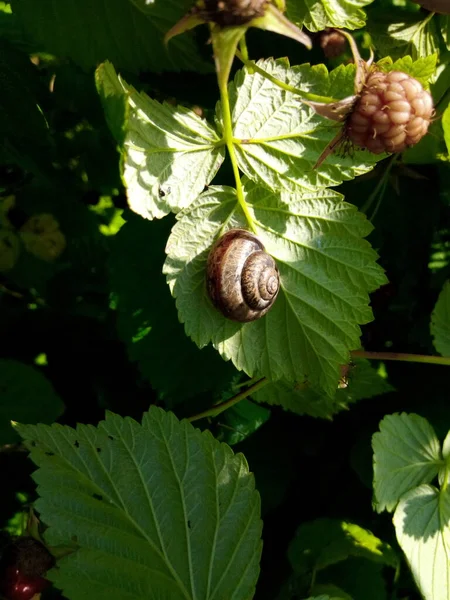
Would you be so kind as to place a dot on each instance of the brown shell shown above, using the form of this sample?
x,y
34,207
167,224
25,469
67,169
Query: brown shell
x,y
242,279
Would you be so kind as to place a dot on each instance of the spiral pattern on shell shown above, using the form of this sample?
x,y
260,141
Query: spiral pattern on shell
x,y
242,279
393,113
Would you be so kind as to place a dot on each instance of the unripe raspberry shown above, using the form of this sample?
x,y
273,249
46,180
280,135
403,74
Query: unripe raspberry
x,y
332,43
392,113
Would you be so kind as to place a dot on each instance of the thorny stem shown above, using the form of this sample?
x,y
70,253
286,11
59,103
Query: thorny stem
x,y
220,408
281,84
403,357
229,142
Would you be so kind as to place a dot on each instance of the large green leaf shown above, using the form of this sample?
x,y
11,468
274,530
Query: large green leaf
x,y
440,322
363,382
148,321
169,154
26,395
158,510
407,453
422,526
326,272
279,139
129,34
319,14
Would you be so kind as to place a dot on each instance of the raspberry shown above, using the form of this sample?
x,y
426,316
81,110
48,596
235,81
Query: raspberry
x,y
392,113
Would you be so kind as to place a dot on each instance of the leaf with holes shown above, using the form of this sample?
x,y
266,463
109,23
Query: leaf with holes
x,y
279,139
326,272
168,154
158,510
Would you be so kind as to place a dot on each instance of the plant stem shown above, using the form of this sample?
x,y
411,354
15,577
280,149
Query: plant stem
x,y
244,49
228,138
250,64
403,357
220,408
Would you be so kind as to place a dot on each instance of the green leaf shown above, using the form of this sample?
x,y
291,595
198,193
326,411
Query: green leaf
x,y
26,395
324,542
422,69
446,127
410,36
444,24
128,33
363,382
158,510
440,322
326,272
148,321
279,139
360,578
240,421
407,453
316,15
169,154
422,526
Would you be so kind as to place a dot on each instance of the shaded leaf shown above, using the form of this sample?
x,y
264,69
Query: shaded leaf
x,y
440,322
148,321
129,33
240,421
326,272
407,453
27,396
363,382
422,525
158,510
169,154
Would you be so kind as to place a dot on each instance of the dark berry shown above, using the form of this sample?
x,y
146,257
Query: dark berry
x,y
228,13
332,43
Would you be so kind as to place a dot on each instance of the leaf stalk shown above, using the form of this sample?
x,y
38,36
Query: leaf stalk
x,y
403,357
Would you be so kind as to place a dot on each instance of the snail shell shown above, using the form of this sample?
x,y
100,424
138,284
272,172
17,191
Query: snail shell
x,y
242,279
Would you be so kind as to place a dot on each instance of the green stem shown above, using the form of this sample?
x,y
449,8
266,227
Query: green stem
x,y
281,84
403,357
220,408
243,48
229,142
445,481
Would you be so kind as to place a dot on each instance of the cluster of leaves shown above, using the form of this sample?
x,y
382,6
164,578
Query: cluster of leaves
x,y
118,170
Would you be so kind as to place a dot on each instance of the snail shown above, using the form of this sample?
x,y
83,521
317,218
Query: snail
x,y
242,279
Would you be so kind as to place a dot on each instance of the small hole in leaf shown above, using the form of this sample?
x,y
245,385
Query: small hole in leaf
x,y
189,524
110,437
76,444
50,454
33,444
98,449
97,497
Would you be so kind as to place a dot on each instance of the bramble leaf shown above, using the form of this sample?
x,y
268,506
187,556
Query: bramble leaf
x,y
158,510
316,15
444,23
422,525
128,33
326,272
407,453
279,139
440,322
363,382
422,69
169,154
26,395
